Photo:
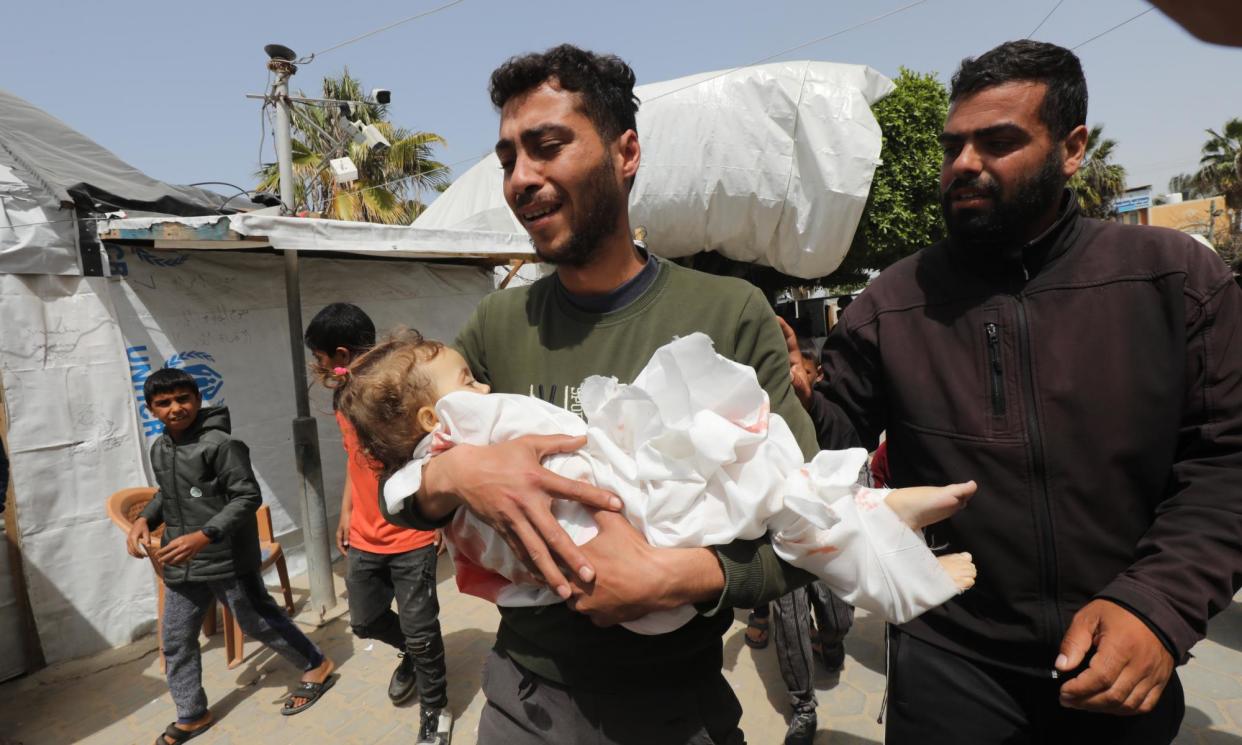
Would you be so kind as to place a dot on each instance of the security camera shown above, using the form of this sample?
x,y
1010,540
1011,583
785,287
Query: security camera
x,y
381,95
343,170
354,130
375,139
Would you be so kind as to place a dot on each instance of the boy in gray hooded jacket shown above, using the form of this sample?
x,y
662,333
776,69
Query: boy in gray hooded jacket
x,y
207,501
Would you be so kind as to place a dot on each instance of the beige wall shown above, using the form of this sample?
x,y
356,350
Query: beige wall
x,y
1191,216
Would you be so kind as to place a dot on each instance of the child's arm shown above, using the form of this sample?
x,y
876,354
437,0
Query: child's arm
x,y
347,508
241,489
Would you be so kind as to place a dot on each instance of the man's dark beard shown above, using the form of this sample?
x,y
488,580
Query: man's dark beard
x,y
599,206
1009,217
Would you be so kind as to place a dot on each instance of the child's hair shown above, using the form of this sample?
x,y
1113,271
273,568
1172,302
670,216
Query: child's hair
x,y
167,380
806,347
340,325
383,391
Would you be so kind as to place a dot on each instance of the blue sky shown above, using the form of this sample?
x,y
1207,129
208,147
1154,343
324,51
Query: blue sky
x,y
162,84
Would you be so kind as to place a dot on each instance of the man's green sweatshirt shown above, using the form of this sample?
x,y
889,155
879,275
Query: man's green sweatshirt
x,y
531,340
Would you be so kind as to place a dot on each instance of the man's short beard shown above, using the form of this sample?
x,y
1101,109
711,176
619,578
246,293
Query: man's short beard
x,y
600,203
1009,216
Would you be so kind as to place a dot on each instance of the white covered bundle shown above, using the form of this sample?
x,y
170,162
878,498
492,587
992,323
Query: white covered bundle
x,y
768,164
697,458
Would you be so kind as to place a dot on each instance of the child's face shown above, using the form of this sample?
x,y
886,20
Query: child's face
x,y
449,372
814,372
177,409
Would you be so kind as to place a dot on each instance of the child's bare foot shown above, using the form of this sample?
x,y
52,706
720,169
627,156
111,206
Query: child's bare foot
x,y
920,506
961,570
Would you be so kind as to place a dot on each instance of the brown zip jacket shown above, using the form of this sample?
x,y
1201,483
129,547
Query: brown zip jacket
x,y
1091,383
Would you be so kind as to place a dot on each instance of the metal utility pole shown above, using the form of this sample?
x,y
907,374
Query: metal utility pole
x,y
305,430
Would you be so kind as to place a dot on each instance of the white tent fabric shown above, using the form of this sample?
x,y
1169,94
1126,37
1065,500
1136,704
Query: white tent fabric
x,y
310,235
74,353
769,164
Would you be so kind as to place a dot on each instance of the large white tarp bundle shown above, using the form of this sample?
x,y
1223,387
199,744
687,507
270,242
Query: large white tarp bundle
x,y
769,164
74,353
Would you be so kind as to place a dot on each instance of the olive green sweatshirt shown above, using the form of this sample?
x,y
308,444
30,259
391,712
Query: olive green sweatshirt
x,y
532,340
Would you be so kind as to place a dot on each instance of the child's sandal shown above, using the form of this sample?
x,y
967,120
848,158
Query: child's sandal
x,y
175,734
759,627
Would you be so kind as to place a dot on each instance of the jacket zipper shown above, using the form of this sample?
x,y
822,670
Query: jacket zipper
x,y
998,377
1043,518
180,511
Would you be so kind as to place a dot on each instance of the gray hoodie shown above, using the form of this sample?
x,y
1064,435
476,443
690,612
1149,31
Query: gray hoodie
x,y
205,480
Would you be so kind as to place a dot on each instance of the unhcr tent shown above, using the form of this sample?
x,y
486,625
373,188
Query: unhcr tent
x,y
84,323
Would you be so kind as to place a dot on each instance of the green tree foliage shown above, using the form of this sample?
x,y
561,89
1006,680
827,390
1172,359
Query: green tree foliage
x,y
1098,181
389,183
903,210
1220,166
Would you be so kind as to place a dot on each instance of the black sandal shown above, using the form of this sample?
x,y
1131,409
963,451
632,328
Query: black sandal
x,y
178,735
309,691
758,624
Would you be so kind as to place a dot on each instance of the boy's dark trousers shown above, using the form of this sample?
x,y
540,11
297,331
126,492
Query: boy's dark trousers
x,y
260,618
936,697
410,577
791,622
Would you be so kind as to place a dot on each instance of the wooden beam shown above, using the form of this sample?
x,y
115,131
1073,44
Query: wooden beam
x,y
13,539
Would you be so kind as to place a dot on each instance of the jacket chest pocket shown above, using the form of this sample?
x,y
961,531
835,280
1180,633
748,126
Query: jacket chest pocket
x,y
999,361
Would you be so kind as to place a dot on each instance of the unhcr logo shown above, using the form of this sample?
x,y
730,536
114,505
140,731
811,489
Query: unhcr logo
x,y
197,364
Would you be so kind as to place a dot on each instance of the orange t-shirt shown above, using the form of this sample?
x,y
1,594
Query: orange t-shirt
x,y
368,530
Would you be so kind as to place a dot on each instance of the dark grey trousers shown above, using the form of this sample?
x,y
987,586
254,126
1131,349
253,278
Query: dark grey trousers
x,y
791,634
256,612
374,580
524,709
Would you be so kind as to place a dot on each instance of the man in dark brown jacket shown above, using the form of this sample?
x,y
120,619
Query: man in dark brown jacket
x,y
1089,376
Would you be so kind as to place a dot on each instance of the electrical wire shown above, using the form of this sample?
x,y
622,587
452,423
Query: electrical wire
x,y
795,48
1114,28
1041,23
311,57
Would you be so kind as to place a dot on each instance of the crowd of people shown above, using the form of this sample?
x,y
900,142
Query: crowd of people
x,y
1075,384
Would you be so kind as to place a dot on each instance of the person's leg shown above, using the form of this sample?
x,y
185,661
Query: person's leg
x,y
833,620
524,709
263,620
370,599
184,607
791,617
758,627
418,607
371,592
938,698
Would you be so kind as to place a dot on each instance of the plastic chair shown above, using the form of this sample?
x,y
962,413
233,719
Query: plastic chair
x,y
125,506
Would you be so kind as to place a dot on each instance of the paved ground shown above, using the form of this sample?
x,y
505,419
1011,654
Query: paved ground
x,y
120,697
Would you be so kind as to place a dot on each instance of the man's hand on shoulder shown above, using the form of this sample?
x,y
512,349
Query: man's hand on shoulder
x,y
507,487
1130,666
632,578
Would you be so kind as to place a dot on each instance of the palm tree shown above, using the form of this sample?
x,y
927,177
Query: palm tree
x,y
1098,182
1221,162
389,183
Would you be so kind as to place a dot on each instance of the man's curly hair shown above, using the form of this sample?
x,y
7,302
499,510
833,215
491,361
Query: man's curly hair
x,y
603,82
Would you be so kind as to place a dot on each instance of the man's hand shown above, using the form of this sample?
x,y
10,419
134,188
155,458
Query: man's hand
x,y
633,579
181,550
1130,667
797,374
439,543
138,539
342,532
508,488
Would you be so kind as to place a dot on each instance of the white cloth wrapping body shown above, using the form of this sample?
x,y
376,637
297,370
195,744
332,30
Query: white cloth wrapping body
x,y
697,458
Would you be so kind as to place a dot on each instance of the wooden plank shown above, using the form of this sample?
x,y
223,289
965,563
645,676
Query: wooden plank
x,y
12,535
